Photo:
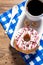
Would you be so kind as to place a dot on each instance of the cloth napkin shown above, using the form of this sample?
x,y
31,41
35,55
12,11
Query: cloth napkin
x,y
30,59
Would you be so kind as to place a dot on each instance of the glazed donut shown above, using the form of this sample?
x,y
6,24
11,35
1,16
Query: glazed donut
x,y
26,40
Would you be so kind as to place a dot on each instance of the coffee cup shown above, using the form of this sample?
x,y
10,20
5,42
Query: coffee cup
x,y
29,15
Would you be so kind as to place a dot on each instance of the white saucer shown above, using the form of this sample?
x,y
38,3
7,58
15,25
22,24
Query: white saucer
x,y
20,24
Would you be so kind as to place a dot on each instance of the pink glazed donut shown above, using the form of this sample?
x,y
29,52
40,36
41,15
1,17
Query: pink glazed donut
x,y
26,40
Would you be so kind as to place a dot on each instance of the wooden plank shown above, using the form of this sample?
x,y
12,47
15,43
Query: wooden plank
x,y
10,1
7,4
8,55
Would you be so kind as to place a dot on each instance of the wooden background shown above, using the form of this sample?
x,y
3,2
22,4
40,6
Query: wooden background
x,y
8,55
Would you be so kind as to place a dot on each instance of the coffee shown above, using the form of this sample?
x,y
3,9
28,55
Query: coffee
x,y
35,7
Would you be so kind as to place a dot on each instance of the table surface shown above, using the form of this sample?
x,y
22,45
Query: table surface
x,y
8,55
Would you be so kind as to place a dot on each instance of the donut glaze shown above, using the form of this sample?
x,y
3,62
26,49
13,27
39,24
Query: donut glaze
x,y
26,38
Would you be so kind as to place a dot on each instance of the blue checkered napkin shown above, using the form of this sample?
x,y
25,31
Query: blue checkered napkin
x,y
5,18
15,19
34,59
31,59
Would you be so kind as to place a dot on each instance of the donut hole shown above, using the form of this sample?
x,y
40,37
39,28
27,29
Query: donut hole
x,y
26,37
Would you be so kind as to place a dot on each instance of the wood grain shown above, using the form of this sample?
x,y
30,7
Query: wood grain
x,y
7,4
8,55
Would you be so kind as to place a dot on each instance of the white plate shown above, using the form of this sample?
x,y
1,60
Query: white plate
x,y
20,24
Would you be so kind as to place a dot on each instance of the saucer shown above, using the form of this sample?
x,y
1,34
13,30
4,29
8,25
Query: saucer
x,y
19,25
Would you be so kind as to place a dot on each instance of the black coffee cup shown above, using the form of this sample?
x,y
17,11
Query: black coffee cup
x,y
34,9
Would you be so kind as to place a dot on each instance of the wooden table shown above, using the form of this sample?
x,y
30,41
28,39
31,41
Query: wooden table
x,y
8,55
